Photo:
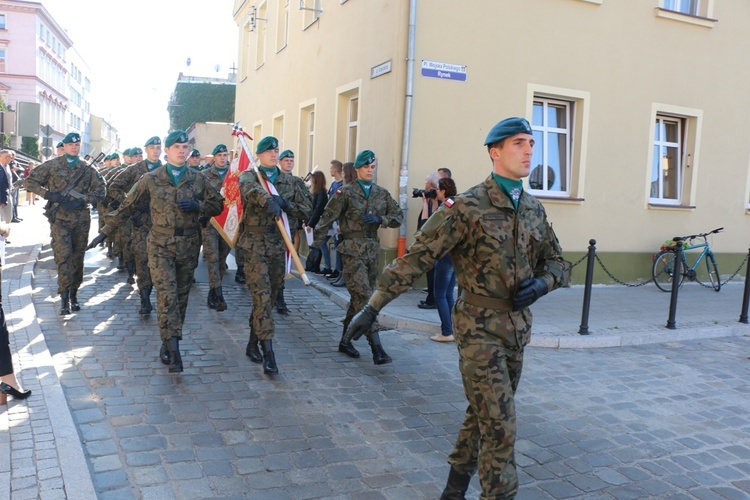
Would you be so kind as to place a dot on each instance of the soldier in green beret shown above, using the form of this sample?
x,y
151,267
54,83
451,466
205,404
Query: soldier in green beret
x,y
140,221
194,160
506,256
178,197
60,149
263,246
215,249
360,207
72,218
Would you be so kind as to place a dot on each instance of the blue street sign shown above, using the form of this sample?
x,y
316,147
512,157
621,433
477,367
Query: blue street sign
x,y
446,71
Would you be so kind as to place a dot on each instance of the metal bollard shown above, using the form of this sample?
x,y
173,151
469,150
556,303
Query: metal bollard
x,y
746,295
584,329
676,280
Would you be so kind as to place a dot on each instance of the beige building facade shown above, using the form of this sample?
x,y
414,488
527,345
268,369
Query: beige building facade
x,y
206,136
638,107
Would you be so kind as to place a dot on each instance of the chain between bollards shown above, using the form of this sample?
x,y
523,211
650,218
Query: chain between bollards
x,y
746,295
584,329
676,282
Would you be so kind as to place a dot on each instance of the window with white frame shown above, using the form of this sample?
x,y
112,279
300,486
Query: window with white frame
x,y
703,9
311,10
260,52
278,128
307,138
667,160
552,124
684,6
282,24
3,59
2,22
352,127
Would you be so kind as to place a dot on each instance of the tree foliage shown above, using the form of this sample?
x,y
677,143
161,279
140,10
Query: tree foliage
x,y
194,102
30,146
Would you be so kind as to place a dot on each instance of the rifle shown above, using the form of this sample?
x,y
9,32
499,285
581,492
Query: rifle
x,y
51,208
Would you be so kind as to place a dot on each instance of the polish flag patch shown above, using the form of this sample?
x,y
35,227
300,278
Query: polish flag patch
x,y
338,191
448,203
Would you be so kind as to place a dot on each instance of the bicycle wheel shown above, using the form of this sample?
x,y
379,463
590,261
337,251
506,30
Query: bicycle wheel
x,y
663,270
713,272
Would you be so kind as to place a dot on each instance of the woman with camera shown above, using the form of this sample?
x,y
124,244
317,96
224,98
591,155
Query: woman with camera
x,y
445,275
429,205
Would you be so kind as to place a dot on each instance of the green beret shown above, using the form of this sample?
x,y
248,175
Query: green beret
x,y
195,153
364,158
127,152
220,148
285,153
136,151
72,137
508,128
174,137
114,156
59,144
154,141
267,143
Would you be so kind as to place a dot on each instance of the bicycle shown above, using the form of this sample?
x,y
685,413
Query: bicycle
x,y
663,268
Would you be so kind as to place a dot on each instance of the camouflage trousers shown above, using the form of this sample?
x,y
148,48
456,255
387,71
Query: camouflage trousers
x,y
486,441
216,250
172,261
140,253
124,241
101,211
264,268
69,240
361,275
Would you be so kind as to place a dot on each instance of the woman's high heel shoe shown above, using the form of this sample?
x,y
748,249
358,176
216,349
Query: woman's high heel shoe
x,y
8,389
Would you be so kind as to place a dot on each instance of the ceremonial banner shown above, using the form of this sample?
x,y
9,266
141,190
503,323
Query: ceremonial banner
x,y
227,223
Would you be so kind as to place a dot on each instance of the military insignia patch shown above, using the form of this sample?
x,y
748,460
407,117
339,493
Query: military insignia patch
x,y
338,191
448,203
515,194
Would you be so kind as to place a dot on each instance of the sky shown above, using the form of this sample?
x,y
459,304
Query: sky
x,y
136,49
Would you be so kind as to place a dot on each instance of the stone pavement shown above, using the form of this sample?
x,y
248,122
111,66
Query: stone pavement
x,y
106,419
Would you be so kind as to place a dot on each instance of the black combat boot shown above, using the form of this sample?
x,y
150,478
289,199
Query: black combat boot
x,y
74,305
145,300
211,299
131,272
164,353
457,485
379,356
110,254
252,350
347,347
175,358
269,360
120,263
220,304
65,305
239,276
281,307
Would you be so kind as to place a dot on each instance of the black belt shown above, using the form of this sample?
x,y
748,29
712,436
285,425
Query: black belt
x,y
359,234
261,229
485,302
175,231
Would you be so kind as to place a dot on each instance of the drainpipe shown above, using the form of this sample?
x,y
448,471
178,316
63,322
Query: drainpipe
x,y
406,139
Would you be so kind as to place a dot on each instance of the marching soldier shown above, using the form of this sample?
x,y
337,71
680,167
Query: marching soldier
x,y
178,196
194,160
215,249
69,214
140,221
506,256
263,246
361,208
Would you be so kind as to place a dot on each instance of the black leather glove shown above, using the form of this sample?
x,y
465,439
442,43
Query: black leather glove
x,y
274,209
99,238
188,205
54,196
114,205
529,290
73,204
203,221
372,219
145,208
361,323
281,202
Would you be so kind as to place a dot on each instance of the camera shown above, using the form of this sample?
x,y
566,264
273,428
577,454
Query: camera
x,y
428,193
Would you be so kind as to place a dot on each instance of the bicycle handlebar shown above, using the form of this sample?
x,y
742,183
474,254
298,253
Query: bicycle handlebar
x,y
702,235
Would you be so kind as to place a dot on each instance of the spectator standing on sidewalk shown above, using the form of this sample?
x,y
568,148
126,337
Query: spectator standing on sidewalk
x,y
6,179
337,174
445,275
320,198
30,197
429,205
506,256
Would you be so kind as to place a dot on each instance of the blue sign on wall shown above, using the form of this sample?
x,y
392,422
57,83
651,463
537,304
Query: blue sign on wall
x,y
446,71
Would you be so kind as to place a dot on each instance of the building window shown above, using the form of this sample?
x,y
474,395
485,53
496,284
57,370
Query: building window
x,y
260,52
689,7
552,123
282,26
2,22
257,131
353,125
307,137
278,128
311,10
698,12
667,160
3,59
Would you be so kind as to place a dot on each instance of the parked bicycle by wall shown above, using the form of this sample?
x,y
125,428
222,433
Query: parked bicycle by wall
x,y
664,263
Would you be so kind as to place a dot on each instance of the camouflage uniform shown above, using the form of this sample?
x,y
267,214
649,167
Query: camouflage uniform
x,y
263,246
360,246
122,244
174,237
215,249
493,249
70,228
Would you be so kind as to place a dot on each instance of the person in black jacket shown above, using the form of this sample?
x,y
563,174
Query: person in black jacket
x,y
320,198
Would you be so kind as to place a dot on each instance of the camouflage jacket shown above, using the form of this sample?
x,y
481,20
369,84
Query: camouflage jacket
x,y
255,197
123,182
54,175
493,247
156,189
347,206
214,177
